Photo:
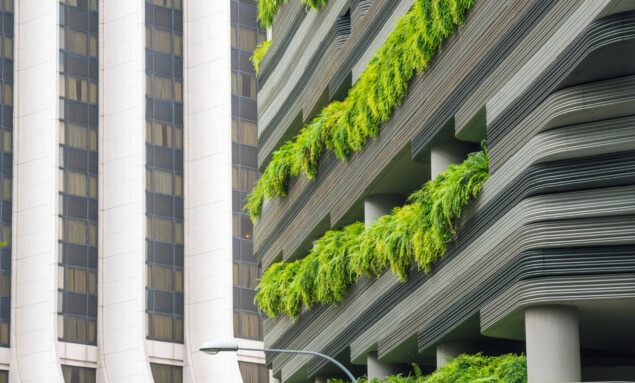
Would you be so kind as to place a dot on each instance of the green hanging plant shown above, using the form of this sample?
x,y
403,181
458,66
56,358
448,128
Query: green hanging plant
x,y
418,232
267,9
259,53
344,127
464,368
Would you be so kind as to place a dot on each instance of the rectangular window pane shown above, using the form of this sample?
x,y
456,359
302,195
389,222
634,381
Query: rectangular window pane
x,y
162,327
246,39
162,230
161,41
7,141
178,232
8,94
178,138
248,133
161,278
76,136
8,47
75,280
76,183
165,373
162,182
178,45
77,42
162,87
178,185
163,135
76,231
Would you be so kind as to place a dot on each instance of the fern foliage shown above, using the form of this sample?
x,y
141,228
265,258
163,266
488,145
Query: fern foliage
x,y
344,127
259,53
267,9
418,232
508,368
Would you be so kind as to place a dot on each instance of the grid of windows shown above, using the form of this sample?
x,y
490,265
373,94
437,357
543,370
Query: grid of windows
x,y
77,263
164,170
163,373
73,374
6,163
245,35
253,373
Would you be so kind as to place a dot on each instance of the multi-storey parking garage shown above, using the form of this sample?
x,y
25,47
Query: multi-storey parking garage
x,y
544,259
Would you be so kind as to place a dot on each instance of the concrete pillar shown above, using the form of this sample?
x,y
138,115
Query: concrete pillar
x,y
446,154
380,204
451,350
553,344
377,369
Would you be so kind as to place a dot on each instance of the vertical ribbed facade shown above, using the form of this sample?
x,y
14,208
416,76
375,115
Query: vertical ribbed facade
x,y
78,162
539,262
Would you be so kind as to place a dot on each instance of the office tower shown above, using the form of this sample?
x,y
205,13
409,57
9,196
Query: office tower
x,y
540,261
119,194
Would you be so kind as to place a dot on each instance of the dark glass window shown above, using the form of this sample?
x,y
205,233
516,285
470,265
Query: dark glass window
x,y
73,374
164,173
6,171
163,373
253,373
245,35
77,290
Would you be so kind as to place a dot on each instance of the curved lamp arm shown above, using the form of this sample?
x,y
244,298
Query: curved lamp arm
x,y
335,362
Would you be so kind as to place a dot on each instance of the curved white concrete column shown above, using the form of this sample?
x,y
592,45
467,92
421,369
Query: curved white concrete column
x,y
208,191
380,204
377,369
122,222
35,188
446,154
553,344
450,350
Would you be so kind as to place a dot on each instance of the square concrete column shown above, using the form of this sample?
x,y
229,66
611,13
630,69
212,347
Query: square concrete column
x,y
553,344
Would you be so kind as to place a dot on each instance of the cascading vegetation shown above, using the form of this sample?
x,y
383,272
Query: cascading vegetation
x,y
267,9
418,232
508,368
343,127
259,53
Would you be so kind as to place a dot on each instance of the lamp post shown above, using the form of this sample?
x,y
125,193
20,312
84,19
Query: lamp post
x,y
214,348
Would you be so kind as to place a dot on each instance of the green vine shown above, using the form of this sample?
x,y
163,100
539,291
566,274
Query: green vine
x,y
343,127
508,368
267,9
418,232
259,53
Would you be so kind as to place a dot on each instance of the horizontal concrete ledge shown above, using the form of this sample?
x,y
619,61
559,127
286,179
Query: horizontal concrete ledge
x,y
570,290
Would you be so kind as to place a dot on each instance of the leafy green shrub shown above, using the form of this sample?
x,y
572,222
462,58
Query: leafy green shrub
x,y
259,53
267,9
417,232
343,127
508,368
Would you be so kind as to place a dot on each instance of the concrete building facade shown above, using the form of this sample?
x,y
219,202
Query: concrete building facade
x,y
543,263
118,190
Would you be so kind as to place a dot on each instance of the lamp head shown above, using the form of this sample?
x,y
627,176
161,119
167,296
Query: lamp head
x,y
214,347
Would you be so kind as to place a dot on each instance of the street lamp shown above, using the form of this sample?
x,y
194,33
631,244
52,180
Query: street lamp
x,y
214,348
